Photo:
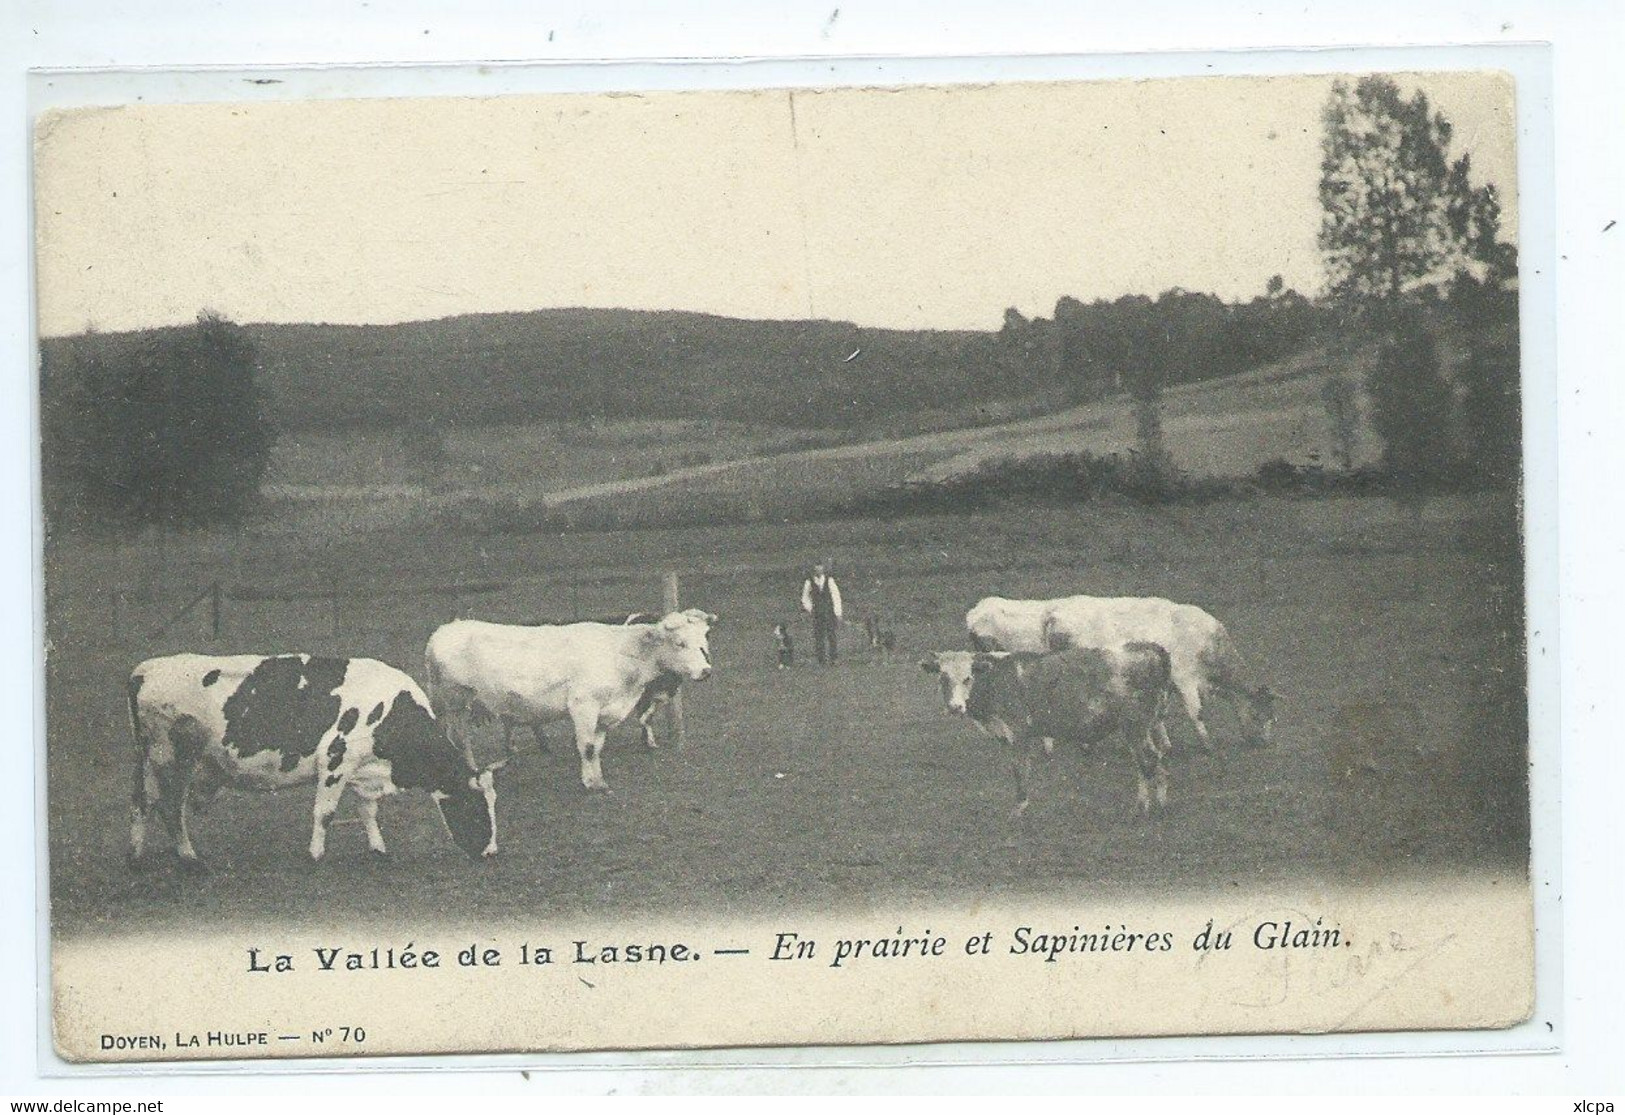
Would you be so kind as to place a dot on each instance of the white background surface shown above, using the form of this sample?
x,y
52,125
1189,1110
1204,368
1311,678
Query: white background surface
x,y
1590,108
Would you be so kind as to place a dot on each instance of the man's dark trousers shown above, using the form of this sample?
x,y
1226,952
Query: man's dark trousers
x,y
824,622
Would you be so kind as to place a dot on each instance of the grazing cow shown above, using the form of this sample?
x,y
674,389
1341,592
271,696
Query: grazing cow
x,y
996,623
1205,661
1081,695
593,674
264,723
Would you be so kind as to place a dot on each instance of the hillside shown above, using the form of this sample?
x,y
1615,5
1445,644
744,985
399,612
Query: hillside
x,y
551,365
1218,428
578,365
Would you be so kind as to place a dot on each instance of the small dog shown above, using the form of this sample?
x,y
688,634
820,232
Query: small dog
x,y
880,638
786,645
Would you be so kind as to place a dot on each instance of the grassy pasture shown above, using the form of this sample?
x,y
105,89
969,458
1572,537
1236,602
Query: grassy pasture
x,y
632,473
527,457
1401,746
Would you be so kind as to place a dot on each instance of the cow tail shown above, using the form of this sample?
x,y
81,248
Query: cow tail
x,y
138,778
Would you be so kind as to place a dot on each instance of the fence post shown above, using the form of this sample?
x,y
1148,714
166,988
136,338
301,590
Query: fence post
x,y
214,609
674,708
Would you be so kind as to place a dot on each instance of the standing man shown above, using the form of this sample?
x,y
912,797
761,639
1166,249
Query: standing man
x,y
821,599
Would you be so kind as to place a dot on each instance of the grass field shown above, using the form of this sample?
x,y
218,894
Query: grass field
x,y
1392,639
628,473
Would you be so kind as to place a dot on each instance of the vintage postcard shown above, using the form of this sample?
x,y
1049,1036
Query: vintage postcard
x,y
586,571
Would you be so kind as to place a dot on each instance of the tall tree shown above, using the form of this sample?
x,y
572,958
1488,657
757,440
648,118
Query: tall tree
x,y
1400,220
1396,213
1474,213
1411,403
169,431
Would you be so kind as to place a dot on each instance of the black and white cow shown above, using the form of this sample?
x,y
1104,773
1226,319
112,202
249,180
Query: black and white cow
x,y
594,675
1083,695
252,722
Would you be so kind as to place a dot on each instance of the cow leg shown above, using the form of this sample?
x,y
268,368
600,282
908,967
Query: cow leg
x,y
173,788
368,786
454,707
1164,744
645,721
1156,710
145,792
1153,776
589,745
183,838
592,765
329,789
368,808
189,857
1190,694
186,742
207,782
1022,769
644,712
510,723
457,726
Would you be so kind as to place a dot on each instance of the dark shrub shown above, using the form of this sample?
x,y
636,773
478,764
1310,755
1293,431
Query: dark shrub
x,y
170,430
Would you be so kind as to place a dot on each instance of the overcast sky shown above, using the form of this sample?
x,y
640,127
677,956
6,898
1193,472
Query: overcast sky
x,y
924,207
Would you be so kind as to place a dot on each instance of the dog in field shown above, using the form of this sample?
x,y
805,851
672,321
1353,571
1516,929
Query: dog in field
x,y
882,640
785,645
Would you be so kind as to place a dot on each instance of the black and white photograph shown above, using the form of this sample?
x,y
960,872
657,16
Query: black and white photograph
x,y
782,566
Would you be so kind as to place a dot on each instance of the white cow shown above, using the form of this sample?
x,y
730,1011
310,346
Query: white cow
x,y
655,697
1205,661
253,722
997,623
595,675
1204,658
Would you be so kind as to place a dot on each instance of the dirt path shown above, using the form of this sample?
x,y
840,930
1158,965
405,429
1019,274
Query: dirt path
x,y
1226,406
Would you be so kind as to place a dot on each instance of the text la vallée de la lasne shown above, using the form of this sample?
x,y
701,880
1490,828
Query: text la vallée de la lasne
x,y
790,946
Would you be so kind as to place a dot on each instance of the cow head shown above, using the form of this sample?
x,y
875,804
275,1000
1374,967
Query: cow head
x,y
685,643
1256,710
470,812
956,672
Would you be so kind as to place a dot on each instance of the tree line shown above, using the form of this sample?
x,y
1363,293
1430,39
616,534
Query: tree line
x,y
175,426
